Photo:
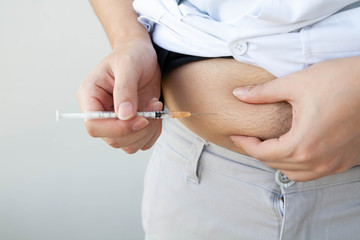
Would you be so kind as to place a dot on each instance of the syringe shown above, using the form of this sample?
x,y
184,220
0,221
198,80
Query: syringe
x,y
147,114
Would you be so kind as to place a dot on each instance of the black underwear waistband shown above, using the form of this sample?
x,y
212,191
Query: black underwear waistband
x,y
169,60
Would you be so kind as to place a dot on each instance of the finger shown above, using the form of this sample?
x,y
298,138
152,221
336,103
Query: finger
x,y
118,141
143,139
125,93
133,148
278,160
268,151
277,90
131,139
152,141
156,106
114,128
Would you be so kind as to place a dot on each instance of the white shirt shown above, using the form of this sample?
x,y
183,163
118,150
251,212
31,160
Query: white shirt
x,y
281,36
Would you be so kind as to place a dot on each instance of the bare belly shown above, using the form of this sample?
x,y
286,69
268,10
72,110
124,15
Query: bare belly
x,y
206,87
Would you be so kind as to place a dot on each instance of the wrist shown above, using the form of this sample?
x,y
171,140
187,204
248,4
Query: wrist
x,y
141,40
138,51
133,32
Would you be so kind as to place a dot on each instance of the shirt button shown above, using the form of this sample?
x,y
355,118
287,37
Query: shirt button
x,y
283,180
240,47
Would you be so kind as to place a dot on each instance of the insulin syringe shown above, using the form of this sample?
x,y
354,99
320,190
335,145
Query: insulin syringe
x,y
147,114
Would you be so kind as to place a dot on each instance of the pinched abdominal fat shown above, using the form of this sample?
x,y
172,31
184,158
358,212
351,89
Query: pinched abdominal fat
x,y
206,87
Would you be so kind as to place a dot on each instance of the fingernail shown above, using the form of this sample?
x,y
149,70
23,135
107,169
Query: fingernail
x,y
126,111
157,106
233,140
153,101
139,124
240,91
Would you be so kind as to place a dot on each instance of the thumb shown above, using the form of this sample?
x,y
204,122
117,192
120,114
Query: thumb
x,y
269,92
125,95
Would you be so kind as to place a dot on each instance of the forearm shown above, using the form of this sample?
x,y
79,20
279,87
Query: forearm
x,y
119,21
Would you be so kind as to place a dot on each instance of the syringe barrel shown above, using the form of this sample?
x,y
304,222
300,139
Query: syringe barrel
x,y
99,115
163,114
155,114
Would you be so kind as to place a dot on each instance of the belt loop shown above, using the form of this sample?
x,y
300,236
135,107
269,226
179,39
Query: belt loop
x,y
193,160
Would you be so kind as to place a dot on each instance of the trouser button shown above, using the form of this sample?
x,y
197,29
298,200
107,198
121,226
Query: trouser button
x,y
282,180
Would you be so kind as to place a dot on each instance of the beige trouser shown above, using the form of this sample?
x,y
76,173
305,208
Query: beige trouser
x,y
197,190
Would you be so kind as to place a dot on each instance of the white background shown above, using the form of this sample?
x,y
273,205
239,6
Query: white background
x,y
56,182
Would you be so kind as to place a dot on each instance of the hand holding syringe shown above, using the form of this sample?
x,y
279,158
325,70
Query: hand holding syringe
x,y
147,114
